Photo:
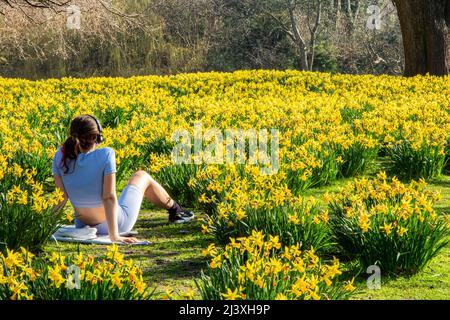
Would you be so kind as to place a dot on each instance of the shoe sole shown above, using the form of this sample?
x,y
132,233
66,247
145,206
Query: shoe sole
x,y
183,220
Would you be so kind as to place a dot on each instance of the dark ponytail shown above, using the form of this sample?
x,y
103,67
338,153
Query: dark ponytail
x,y
83,133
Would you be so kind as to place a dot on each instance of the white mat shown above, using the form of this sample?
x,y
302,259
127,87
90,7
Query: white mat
x,y
88,235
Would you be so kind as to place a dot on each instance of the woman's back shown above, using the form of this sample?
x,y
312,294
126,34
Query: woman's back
x,y
83,181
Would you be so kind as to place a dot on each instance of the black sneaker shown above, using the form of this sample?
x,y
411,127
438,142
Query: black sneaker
x,y
181,217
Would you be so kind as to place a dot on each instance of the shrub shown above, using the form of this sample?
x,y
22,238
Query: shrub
x,y
297,220
354,159
408,161
176,178
389,224
259,268
27,217
22,276
310,165
240,199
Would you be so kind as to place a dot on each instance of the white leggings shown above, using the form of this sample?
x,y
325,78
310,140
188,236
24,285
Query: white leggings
x,y
129,205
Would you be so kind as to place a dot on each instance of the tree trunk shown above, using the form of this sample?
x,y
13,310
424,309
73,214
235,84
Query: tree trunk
x,y
313,34
425,28
299,41
338,13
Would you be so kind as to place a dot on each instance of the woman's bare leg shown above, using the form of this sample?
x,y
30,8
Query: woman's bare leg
x,y
151,189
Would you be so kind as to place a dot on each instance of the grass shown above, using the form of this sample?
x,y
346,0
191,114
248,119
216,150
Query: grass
x,y
174,259
433,283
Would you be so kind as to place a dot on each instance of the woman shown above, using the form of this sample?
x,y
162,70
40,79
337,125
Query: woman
x,y
87,176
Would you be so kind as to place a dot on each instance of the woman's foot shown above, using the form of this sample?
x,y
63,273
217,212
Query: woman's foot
x,y
179,215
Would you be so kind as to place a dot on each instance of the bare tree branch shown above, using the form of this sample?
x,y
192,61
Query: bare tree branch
x,y
281,23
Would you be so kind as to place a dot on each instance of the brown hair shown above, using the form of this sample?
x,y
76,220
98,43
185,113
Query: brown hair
x,y
83,133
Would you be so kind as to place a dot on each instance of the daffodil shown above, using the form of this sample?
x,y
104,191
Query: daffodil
x,y
387,227
54,274
13,259
294,219
231,294
210,251
116,280
401,231
349,286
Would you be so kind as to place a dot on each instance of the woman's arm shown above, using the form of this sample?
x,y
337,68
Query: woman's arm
x,y
111,206
59,184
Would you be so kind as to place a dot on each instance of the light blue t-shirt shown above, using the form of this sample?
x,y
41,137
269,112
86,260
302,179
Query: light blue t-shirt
x,y
84,179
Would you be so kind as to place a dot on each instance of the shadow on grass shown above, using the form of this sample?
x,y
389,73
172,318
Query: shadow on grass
x,y
170,232
175,250
152,223
163,269
443,182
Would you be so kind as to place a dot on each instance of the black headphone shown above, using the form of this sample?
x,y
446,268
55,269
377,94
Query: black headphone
x,y
100,130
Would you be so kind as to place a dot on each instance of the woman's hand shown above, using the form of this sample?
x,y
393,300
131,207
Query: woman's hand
x,y
123,239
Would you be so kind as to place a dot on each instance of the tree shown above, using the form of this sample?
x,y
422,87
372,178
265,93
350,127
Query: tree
x,y
38,40
247,37
305,62
425,28
305,46
57,6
